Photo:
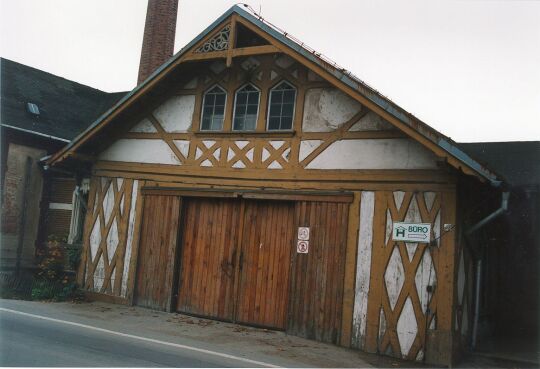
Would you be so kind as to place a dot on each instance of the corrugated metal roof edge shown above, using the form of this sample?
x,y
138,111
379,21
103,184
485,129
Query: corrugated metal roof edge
x,y
443,142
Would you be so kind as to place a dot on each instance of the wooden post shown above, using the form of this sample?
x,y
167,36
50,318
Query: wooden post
x,y
350,271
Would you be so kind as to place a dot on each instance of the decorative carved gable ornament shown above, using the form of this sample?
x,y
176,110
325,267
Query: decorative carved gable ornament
x,y
219,42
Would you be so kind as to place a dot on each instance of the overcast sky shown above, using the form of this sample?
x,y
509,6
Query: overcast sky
x,y
469,68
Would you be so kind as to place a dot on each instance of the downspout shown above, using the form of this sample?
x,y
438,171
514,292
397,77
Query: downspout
x,y
474,228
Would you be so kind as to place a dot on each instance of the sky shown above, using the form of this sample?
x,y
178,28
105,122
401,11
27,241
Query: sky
x,y
468,68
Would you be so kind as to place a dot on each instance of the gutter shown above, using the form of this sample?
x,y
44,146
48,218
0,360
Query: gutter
x,y
478,277
35,133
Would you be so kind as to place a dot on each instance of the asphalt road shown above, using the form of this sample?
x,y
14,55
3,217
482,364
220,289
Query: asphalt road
x,y
30,341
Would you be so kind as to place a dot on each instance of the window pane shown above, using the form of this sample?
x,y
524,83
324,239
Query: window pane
x,y
288,96
217,123
241,98
253,98
281,110
252,109
250,122
220,99
287,110
273,123
286,123
275,110
209,100
205,123
277,96
238,124
219,109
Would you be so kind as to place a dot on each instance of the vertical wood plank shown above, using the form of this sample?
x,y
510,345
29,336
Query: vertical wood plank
x,y
350,270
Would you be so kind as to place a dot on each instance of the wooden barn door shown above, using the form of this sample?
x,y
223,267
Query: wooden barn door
x,y
157,252
317,277
266,244
207,270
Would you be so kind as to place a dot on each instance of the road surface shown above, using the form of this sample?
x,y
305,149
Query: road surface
x,y
32,340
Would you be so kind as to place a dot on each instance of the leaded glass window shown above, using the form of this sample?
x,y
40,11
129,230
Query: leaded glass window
x,y
246,108
213,109
281,111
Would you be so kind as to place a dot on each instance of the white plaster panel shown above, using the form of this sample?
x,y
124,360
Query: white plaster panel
x,y
399,153
191,84
325,109
382,324
389,225
398,198
144,126
241,144
307,147
276,144
394,277
249,154
313,77
371,122
131,228
95,238
108,203
206,163
99,274
425,276
412,216
363,267
275,165
437,228
239,164
140,151
429,198
175,114
183,146
112,240
284,61
406,327
218,66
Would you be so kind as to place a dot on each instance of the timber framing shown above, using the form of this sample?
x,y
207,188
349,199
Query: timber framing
x,y
406,123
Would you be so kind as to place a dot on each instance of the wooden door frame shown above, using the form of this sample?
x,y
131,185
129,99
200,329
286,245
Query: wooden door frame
x,y
319,196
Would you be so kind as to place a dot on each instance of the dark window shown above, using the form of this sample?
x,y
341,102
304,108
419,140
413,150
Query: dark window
x,y
281,110
246,108
213,109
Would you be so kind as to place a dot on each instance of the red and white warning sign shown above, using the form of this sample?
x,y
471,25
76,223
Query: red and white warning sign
x,y
302,247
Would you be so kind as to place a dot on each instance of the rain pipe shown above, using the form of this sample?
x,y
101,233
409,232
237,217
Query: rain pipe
x,y
474,228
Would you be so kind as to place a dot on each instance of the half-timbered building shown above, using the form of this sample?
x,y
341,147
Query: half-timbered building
x,y
249,179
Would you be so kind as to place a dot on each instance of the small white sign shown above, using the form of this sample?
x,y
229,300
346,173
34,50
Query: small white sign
x,y
303,233
302,247
411,232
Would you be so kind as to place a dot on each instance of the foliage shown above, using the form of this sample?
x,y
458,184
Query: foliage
x,y
74,256
51,280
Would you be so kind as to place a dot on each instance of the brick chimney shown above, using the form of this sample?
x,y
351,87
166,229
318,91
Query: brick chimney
x,y
158,40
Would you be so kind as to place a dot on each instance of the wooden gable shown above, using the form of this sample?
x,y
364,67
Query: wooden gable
x,y
237,37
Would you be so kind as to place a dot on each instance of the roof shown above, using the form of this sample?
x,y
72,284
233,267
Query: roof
x,y
66,108
405,121
517,162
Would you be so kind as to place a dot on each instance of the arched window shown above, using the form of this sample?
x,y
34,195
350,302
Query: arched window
x,y
213,109
281,111
246,108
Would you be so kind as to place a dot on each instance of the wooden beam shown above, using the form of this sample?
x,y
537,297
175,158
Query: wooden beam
x,y
350,271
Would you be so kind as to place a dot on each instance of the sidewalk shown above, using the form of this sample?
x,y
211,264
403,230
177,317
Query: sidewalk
x,y
257,344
